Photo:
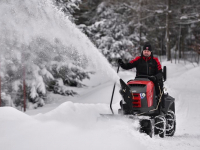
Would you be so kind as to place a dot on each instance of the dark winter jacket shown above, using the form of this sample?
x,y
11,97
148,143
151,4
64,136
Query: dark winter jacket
x,y
145,66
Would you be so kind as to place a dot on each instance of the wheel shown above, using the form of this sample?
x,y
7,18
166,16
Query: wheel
x,y
146,126
160,126
171,123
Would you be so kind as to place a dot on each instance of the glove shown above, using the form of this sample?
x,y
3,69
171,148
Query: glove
x,y
152,78
120,62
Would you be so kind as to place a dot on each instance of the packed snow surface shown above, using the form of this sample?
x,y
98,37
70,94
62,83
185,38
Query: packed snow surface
x,y
76,122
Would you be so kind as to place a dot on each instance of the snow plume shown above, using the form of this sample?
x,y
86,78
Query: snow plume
x,y
38,28
35,33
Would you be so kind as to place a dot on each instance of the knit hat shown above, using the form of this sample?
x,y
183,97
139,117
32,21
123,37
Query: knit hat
x,y
147,46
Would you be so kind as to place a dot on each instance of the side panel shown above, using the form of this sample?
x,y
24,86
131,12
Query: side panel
x,y
150,92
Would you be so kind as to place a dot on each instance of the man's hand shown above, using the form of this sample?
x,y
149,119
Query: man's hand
x,y
152,78
120,62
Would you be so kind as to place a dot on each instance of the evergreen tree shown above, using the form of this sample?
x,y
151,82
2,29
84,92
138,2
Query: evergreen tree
x,y
120,27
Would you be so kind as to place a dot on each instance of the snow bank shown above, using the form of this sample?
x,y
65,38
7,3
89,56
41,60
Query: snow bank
x,y
69,126
73,113
11,114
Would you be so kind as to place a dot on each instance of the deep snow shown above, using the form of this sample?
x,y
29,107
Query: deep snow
x,y
76,123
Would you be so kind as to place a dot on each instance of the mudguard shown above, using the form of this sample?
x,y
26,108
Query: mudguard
x,y
168,103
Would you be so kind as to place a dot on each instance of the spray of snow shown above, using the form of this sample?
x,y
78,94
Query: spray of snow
x,y
37,27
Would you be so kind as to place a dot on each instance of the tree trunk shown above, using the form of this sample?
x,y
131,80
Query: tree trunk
x,y
140,30
175,56
167,31
182,48
0,90
179,40
0,83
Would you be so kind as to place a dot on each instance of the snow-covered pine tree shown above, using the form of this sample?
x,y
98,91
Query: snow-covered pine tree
x,y
30,62
42,71
109,23
110,27
68,6
119,28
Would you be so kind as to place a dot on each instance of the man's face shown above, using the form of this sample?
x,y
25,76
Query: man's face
x,y
146,53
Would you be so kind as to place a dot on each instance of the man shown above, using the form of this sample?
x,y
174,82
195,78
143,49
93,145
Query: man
x,y
147,65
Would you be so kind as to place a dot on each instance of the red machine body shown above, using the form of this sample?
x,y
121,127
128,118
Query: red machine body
x,y
143,94
149,93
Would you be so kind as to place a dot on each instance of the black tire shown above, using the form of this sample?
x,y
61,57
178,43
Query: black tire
x,y
171,123
146,126
160,126
151,131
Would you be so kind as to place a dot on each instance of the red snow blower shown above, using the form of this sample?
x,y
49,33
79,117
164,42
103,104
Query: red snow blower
x,y
156,112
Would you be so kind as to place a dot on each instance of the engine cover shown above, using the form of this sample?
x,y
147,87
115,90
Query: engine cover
x,y
139,95
142,92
